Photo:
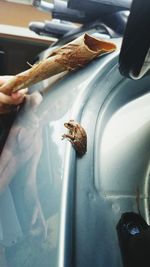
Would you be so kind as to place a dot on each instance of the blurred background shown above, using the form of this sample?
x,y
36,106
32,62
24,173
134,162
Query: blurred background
x,y
11,13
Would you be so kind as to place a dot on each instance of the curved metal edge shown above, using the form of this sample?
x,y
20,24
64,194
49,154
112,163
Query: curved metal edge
x,y
68,185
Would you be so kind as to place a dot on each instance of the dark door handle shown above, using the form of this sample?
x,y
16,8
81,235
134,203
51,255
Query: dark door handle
x,y
134,60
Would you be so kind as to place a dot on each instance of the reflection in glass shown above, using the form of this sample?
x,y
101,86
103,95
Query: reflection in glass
x,y
30,190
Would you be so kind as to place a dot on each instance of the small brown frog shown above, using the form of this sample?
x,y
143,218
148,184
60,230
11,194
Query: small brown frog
x,y
77,136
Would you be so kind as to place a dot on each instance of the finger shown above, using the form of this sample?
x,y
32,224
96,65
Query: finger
x,y
19,94
5,99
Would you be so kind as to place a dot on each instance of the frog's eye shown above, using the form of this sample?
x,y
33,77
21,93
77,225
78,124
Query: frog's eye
x,y
70,125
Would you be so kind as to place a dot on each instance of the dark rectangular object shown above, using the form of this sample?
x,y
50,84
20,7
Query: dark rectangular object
x,y
101,6
2,63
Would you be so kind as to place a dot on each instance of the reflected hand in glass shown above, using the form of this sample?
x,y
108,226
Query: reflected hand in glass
x,y
23,150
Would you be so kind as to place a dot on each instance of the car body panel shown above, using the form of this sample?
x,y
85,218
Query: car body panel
x,y
73,202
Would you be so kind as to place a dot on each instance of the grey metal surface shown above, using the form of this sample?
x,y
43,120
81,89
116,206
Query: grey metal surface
x,y
68,205
107,179
118,166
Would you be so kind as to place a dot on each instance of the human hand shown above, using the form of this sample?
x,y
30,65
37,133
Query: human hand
x,y
14,99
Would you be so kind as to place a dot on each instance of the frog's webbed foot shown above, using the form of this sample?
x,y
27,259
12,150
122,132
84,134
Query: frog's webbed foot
x,y
63,137
68,136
